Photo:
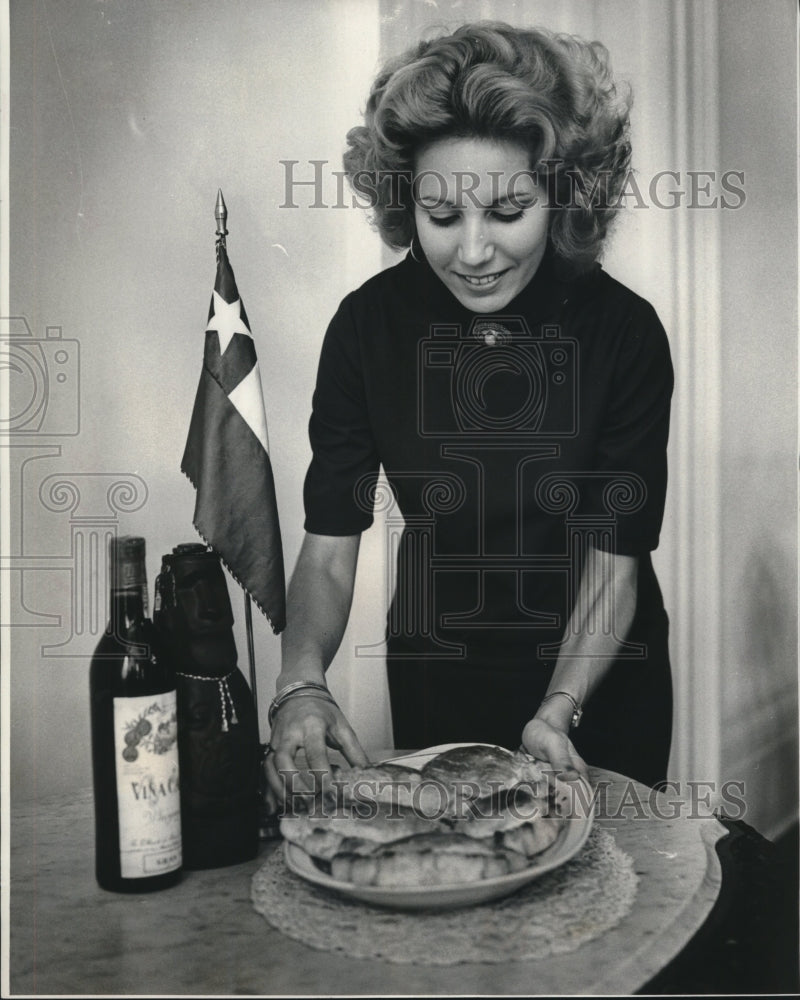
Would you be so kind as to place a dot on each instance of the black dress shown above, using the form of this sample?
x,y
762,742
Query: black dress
x,y
511,443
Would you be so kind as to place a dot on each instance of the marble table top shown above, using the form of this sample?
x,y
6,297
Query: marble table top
x,y
202,937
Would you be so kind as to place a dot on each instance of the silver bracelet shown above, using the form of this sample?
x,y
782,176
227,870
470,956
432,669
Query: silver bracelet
x,y
298,687
299,694
577,710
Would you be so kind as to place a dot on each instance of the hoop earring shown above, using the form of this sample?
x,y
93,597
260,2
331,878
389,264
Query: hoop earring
x,y
419,260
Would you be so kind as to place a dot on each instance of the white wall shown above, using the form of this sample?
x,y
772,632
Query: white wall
x,y
126,118
759,409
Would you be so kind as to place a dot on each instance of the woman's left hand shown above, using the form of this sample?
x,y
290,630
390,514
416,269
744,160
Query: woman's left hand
x,y
549,743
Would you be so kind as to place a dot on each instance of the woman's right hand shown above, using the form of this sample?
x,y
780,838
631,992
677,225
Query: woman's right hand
x,y
318,603
312,725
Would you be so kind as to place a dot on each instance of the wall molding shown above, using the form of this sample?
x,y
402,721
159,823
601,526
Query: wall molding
x,y
695,460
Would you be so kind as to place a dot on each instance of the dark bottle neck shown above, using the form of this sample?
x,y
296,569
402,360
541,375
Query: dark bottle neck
x,y
127,609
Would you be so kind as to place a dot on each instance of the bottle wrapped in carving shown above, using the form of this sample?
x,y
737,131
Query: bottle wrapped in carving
x,y
218,743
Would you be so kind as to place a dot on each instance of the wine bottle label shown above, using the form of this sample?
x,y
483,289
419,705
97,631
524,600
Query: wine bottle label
x,y
148,794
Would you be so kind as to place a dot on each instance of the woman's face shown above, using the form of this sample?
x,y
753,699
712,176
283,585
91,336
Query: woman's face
x,y
481,218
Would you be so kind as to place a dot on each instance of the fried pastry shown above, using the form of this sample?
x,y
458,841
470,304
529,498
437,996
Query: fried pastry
x,y
471,813
426,859
482,771
321,835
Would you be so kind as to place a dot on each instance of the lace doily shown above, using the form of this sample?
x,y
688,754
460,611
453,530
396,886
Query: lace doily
x,y
554,914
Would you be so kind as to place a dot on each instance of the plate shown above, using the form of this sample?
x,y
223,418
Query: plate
x,y
571,839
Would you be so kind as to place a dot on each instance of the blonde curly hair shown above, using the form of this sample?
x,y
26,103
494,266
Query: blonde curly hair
x,y
552,93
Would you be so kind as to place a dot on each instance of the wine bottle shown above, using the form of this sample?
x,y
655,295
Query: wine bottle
x,y
134,739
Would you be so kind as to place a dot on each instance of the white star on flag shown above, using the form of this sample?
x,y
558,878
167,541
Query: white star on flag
x,y
227,320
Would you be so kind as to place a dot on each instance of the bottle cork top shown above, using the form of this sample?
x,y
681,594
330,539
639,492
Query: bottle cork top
x,y
189,548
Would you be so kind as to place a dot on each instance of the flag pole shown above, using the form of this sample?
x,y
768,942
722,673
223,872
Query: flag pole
x,y
248,621
221,216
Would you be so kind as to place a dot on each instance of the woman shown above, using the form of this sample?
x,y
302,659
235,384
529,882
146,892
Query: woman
x,y
517,398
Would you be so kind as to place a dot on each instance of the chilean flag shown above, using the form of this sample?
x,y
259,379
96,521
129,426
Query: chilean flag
x,y
227,454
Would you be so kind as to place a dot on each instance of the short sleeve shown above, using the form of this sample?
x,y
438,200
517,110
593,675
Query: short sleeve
x,y
631,449
342,444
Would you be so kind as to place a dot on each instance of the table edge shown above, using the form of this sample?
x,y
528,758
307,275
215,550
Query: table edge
x,y
650,961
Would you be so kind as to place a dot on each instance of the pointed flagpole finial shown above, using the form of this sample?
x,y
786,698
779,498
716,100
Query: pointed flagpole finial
x,y
221,215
